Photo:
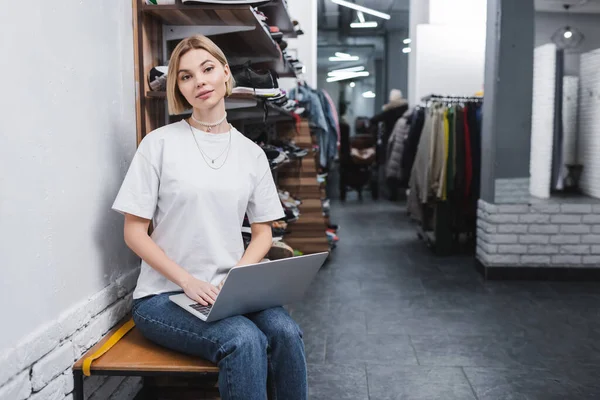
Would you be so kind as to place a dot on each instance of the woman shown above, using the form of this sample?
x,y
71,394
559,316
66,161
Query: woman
x,y
195,179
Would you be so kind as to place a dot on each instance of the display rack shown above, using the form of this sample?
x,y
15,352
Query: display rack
x,y
234,28
242,37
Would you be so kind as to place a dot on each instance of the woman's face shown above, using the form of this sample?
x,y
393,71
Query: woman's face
x,y
201,79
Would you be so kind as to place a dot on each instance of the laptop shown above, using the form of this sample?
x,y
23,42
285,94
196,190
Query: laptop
x,y
257,287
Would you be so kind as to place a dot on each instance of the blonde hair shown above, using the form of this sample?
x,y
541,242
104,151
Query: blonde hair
x,y
176,101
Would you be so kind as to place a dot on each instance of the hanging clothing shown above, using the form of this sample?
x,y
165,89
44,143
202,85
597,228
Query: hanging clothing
x,y
395,148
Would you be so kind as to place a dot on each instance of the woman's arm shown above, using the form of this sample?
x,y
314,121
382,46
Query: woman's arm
x,y
138,240
259,246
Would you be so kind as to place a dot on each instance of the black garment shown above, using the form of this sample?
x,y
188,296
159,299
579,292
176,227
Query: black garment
x,y
412,143
459,157
389,118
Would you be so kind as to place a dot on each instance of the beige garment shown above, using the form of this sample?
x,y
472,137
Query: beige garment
x,y
420,171
438,154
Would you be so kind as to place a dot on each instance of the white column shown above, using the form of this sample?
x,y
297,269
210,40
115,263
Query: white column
x,y
305,11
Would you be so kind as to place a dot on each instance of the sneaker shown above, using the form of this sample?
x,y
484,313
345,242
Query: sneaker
x,y
280,250
159,2
258,83
157,79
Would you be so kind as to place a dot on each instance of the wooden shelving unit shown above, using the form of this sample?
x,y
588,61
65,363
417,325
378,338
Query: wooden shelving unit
x,y
234,28
242,37
279,15
308,233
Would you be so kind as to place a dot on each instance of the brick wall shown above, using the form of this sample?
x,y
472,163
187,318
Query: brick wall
x,y
39,367
542,119
538,235
512,190
589,122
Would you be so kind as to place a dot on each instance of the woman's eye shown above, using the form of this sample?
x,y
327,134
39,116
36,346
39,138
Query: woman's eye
x,y
185,77
209,69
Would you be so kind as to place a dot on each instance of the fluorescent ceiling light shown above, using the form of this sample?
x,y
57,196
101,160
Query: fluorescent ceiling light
x,y
342,55
406,50
407,41
370,24
361,16
361,8
351,58
336,72
349,75
368,95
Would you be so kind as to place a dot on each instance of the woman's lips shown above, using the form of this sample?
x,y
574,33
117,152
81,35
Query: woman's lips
x,y
204,95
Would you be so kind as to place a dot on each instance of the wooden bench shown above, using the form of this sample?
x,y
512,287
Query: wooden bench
x,y
134,355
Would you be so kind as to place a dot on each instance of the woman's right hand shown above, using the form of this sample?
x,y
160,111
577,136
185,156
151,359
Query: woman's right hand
x,y
200,291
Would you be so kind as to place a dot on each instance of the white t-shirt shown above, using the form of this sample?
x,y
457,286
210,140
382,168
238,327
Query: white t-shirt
x,y
197,211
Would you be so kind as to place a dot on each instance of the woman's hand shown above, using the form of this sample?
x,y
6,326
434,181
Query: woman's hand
x,y
200,291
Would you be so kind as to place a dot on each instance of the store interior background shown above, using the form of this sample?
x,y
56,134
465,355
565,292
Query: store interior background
x,y
450,63
68,131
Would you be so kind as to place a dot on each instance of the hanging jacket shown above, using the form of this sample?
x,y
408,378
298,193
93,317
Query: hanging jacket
x,y
396,146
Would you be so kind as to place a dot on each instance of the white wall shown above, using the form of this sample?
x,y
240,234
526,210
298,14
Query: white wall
x,y
67,135
450,60
542,120
305,11
448,47
589,123
589,24
458,12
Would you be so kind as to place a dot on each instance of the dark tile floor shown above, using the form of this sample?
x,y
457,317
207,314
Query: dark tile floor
x,y
386,319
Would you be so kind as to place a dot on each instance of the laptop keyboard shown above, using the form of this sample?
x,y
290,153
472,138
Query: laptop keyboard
x,y
204,310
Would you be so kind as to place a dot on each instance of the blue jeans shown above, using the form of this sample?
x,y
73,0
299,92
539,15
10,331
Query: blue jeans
x,y
257,353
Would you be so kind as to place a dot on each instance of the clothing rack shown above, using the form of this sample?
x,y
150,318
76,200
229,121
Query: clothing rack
x,y
451,98
449,222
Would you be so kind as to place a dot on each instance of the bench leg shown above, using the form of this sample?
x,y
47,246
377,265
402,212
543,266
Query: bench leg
x,y
78,389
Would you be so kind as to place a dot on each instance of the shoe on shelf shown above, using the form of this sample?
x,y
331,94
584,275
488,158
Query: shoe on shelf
x,y
260,83
157,78
277,36
332,236
159,2
290,149
279,250
283,44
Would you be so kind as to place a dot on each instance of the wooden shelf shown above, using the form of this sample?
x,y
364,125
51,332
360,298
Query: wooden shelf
x,y
202,14
234,28
278,15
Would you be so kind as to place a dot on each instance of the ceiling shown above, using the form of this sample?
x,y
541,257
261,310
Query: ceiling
x,y
329,14
577,6
335,34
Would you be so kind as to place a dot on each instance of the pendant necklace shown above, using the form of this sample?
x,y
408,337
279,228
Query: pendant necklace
x,y
209,125
204,155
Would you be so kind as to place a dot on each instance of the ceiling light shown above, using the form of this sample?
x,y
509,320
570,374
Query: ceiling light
x,y
361,8
345,70
349,75
370,24
368,95
342,55
351,58
352,84
407,41
568,34
361,16
406,50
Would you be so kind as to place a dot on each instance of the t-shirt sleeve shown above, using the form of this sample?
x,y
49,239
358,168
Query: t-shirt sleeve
x,y
139,192
264,204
